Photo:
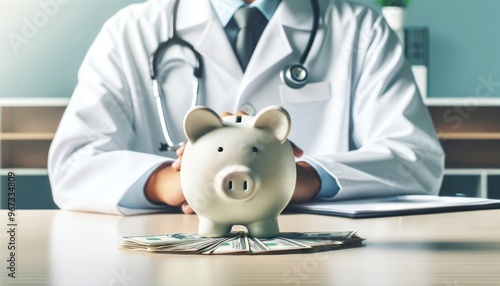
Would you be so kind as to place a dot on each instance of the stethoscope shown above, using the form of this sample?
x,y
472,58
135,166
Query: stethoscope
x,y
294,75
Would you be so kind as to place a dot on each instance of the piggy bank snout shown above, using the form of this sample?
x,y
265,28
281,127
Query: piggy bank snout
x,y
236,182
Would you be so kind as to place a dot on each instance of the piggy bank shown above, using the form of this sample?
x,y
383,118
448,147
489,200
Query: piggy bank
x,y
238,170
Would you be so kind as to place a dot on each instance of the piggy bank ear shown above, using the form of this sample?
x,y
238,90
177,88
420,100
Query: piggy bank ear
x,y
199,121
275,119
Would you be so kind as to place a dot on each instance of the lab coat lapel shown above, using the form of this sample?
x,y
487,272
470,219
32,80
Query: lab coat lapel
x,y
201,27
274,46
212,42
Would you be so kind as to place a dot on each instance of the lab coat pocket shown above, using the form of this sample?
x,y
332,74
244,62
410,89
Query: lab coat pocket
x,y
320,116
312,92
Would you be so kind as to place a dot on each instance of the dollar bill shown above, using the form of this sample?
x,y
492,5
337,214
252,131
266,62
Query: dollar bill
x,y
191,247
241,243
279,245
232,245
324,239
163,239
256,245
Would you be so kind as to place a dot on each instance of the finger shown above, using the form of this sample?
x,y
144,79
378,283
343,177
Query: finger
x,y
180,151
176,165
297,152
186,208
229,113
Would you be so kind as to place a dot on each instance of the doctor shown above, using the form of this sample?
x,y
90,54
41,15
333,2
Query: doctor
x,y
360,121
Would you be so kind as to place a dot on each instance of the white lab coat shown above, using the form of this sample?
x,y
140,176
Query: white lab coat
x,y
361,118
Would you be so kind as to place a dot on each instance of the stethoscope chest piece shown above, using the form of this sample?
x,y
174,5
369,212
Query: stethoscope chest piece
x,y
295,75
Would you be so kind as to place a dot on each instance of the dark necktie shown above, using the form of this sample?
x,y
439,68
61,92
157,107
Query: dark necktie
x,y
251,24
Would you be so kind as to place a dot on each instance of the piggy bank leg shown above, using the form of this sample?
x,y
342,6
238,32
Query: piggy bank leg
x,y
264,229
209,228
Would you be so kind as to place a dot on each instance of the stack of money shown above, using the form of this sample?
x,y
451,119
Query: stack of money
x,y
241,243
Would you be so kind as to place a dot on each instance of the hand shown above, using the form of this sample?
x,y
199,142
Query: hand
x,y
308,181
164,186
307,185
176,165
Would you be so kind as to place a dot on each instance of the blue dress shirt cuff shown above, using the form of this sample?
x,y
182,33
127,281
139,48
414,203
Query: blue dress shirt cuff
x,y
329,187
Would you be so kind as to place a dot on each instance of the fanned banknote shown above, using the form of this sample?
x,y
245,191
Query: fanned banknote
x,y
241,243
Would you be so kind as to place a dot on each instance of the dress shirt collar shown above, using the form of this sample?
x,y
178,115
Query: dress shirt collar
x,y
225,9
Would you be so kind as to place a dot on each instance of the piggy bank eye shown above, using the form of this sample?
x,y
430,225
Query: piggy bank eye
x,y
255,150
220,149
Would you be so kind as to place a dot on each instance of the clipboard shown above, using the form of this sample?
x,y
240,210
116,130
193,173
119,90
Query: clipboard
x,y
395,206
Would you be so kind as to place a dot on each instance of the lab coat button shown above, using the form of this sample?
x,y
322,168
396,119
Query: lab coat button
x,y
248,109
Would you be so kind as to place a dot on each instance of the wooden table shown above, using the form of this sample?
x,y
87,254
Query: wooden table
x,y
71,248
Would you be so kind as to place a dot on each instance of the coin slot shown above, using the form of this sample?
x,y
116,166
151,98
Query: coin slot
x,y
245,185
230,185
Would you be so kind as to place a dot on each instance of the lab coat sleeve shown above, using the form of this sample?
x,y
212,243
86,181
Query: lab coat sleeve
x,y
395,150
91,165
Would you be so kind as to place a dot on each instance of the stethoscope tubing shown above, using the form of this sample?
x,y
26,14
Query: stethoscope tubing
x,y
314,31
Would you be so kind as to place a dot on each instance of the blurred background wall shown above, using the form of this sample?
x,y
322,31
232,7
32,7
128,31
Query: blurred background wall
x,y
464,43
43,42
